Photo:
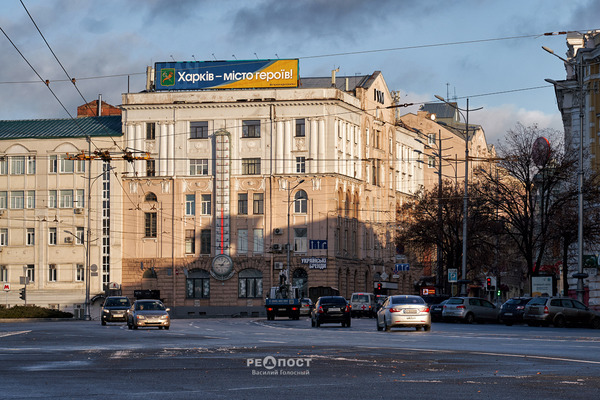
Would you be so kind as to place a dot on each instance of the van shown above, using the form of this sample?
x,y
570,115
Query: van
x,y
363,305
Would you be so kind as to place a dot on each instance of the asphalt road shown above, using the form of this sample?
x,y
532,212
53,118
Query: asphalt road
x,y
282,359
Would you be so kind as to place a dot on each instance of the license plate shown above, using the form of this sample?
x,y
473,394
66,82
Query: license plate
x,y
410,311
508,313
334,309
411,317
118,315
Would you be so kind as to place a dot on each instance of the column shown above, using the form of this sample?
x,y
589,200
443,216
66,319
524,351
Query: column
x,y
314,146
162,150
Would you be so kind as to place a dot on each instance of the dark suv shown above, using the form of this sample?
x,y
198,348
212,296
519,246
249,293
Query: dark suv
x,y
115,309
331,309
559,311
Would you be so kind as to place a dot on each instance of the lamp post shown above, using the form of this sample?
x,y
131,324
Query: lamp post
x,y
289,204
463,288
580,275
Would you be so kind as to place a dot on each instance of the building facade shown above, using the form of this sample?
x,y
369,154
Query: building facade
x,y
243,187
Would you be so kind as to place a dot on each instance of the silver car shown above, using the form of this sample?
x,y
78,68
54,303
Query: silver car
x,y
148,313
469,310
559,312
404,311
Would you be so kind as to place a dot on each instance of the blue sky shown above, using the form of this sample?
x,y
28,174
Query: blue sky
x,y
101,44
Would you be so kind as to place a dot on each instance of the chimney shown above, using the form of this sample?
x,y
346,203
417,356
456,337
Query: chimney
x,y
333,71
100,104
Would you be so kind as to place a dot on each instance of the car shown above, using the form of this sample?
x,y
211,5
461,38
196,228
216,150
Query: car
x,y
115,309
306,306
379,299
331,309
363,305
435,311
559,311
148,312
512,310
469,310
402,311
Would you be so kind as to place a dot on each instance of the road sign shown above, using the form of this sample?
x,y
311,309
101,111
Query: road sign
x,y
452,275
317,244
401,267
7,287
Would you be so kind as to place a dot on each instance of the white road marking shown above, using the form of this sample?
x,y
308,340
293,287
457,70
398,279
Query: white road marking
x,y
6,334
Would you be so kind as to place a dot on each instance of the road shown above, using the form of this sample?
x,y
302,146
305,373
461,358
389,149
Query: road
x,y
248,358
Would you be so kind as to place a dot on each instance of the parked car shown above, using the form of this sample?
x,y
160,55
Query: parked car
x,y
306,306
470,309
404,311
331,309
115,309
363,305
511,312
436,311
148,313
559,311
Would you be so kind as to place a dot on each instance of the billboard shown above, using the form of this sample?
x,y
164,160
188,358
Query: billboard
x,y
238,74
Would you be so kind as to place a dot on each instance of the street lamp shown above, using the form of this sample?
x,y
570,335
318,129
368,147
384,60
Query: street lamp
x,y
463,288
289,204
86,310
580,275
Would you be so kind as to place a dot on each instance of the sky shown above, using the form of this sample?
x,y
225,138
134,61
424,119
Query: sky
x,y
488,51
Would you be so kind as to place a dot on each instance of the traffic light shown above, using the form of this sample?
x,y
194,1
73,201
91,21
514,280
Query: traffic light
x,y
23,293
499,292
379,286
488,282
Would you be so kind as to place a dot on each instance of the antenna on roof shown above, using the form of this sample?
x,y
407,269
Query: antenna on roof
x,y
276,55
233,55
213,54
194,57
256,56
447,90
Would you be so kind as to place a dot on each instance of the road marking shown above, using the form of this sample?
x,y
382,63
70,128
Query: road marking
x,y
6,334
272,341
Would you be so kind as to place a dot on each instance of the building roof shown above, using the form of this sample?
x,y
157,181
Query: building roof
x,y
340,82
441,110
61,128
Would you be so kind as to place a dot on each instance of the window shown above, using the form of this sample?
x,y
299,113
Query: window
x,y
197,284
431,139
150,197
250,284
150,225
431,161
300,128
300,202
258,241
150,168
251,129
150,131
190,204
3,165
79,273
66,198
205,241
190,241
206,207
199,167
30,237
17,199
242,241
300,165
79,235
30,200
53,167
52,273
242,203
3,199
3,273
66,165
300,240
52,235
3,236
199,130
31,165
79,198
80,166
30,272
52,199
17,165
258,203
250,166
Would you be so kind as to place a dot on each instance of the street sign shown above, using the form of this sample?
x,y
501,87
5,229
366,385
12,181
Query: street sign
x,y
7,287
317,244
401,267
452,275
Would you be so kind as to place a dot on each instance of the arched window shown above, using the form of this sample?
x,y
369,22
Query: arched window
x,y
151,197
300,202
250,284
197,284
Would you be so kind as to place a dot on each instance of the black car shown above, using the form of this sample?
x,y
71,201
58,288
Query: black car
x,y
435,311
331,309
115,309
512,311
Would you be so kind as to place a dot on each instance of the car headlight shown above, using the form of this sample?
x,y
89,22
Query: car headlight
x,y
140,317
106,311
164,317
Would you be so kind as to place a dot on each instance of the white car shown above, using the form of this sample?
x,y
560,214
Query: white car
x,y
404,311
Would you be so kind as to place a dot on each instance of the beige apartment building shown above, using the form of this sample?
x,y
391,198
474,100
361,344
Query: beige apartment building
x,y
231,177
50,221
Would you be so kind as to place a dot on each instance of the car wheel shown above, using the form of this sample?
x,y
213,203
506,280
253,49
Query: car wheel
x,y
427,328
559,321
103,322
469,319
348,323
160,328
317,324
312,322
134,325
385,325
167,327
379,328
129,325
595,323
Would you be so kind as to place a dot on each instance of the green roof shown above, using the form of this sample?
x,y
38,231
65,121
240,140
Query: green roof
x,y
61,128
